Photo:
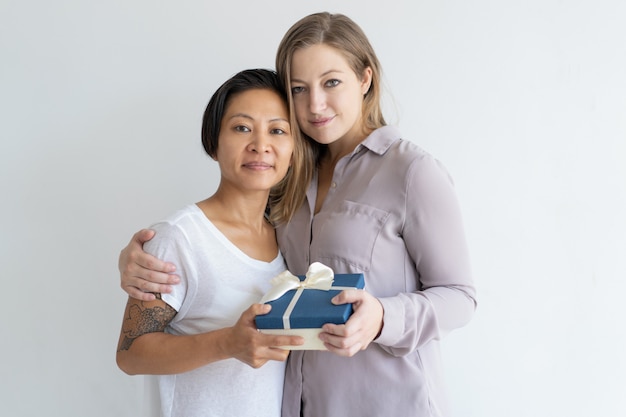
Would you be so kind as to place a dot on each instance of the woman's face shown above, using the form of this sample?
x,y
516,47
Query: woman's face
x,y
255,141
327,94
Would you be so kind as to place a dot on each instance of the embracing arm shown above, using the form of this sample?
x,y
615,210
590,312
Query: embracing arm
x,y
142,275
144,347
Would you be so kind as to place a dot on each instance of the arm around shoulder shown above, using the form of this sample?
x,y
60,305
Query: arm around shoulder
x,y
142,274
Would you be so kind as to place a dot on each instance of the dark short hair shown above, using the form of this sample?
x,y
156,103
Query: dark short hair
x,y
250,79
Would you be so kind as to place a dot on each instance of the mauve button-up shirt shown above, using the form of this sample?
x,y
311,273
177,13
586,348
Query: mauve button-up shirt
x,y
391,213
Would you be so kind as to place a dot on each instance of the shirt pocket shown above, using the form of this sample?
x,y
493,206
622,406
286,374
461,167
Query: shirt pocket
x,y
348,235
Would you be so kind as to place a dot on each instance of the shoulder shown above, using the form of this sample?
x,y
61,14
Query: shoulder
x,y
410,152
178,227
402,156
389,143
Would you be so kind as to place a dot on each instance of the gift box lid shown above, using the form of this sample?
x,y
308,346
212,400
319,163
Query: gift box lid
x,y
314,308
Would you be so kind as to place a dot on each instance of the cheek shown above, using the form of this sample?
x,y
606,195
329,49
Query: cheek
x,y
300,110
351,107
288,150
302,113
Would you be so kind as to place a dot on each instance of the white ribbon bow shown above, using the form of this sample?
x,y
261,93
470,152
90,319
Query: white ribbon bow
x,y
319,277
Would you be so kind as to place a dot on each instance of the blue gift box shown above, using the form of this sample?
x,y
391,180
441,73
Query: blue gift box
x,y
311,311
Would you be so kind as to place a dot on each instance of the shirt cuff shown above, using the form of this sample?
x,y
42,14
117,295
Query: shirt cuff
x,y
393,321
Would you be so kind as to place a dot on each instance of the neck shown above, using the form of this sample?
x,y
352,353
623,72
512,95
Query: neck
x,y
244,209
344,146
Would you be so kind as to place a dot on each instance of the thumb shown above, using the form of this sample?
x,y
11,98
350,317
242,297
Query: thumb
x,y
256,310
143,236
347,297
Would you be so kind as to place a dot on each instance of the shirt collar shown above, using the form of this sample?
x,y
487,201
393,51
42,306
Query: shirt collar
x,y
380,140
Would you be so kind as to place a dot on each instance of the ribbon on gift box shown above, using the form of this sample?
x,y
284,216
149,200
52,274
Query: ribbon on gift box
x,y
318,277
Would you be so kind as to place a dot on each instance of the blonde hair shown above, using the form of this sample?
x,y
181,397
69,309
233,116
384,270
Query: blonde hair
x,y
287,196
343,34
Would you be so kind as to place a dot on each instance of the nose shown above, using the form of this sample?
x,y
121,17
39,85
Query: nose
x,y
317,100
259,142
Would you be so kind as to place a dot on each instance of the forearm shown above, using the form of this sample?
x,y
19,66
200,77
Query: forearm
x,y
434,237
163,353
414,319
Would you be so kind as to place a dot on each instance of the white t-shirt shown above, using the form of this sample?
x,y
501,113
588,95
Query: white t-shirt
x,y
218,282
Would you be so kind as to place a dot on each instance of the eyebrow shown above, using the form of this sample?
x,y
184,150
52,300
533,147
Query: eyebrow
x,y
324,74
247,116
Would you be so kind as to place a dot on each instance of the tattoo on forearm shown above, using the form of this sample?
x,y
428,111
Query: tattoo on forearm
x,y
144,317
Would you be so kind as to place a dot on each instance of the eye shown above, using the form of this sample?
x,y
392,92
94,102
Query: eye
x,y
277,132
332,83
297,90
241,128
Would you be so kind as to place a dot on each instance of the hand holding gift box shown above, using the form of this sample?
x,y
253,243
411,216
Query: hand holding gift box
x,y
301,304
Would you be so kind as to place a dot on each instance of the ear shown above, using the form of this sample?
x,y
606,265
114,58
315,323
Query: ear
x,y
366,80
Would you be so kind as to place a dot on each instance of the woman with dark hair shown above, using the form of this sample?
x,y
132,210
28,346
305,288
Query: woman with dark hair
x,y
196,338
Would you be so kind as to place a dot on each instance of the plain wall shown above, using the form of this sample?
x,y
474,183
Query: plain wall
x,y
523,101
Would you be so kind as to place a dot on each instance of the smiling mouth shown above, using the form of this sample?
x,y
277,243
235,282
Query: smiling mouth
x,y
321,122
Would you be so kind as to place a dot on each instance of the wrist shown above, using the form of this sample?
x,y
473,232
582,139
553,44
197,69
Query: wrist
x,y
382,320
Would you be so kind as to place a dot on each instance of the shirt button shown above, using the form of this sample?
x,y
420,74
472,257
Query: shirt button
x,y
334,184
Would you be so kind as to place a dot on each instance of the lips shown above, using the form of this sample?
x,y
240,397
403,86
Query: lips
x,y
257,165
322,121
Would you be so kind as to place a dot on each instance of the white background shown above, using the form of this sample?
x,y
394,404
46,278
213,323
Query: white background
x,y
523,101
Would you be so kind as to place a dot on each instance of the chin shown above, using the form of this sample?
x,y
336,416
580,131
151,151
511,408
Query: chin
x,y
321,137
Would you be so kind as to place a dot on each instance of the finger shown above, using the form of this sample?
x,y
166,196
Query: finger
x,y
143,236
335,329
340,346
258,309
338,336
344,341
282,340
157,277
147,261
138,294
145,286
253,311
349,352
273,354
348,297
141,265
247,320
337,342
